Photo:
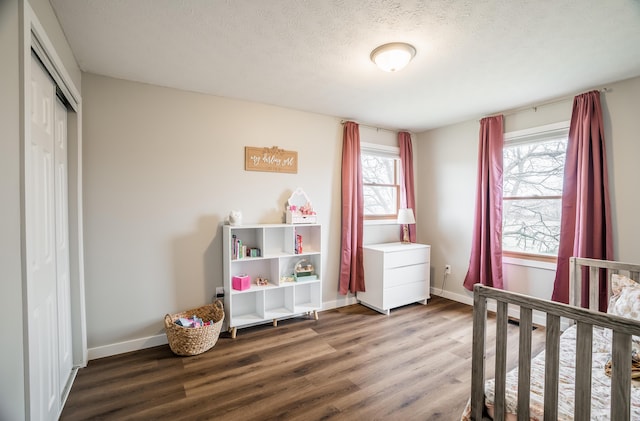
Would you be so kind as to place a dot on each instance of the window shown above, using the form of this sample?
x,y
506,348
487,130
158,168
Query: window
x,y
381,180
533,173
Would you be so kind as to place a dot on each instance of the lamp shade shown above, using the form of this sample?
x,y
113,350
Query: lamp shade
x,y
393,57
405,216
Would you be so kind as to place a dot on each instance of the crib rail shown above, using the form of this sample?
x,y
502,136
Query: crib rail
x,y
585,272
623,329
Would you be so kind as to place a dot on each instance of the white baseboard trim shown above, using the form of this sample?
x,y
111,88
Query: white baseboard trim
x,y
127,346
538,318
151,341
464,299
347,301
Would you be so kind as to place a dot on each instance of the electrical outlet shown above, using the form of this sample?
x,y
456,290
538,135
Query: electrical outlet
x,y
219,292
447,269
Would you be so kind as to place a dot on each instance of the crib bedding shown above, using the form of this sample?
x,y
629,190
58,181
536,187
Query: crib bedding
x,y
601,383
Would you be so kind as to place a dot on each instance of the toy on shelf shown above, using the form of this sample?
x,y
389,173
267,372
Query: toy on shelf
x,y
287,278
299,209
241,282
304,271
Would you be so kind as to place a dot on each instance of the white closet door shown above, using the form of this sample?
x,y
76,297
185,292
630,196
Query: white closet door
x,y
47,248
65,353
41,255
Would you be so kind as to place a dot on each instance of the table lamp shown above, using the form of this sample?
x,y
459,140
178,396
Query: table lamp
x,y
405,217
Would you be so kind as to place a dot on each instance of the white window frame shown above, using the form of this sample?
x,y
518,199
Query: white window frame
x,y
387,152
530,135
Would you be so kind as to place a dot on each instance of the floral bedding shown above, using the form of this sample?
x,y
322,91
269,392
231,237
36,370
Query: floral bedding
x,y
601,383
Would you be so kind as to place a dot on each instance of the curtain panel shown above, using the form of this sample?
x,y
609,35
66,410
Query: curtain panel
x,y
351,253
586,213
485,263
407,192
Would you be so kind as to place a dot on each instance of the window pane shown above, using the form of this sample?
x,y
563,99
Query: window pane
x,y
532,226
534,169
380,200
380,189
378,169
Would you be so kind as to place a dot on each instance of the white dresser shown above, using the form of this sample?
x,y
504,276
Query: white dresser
x,y
395,274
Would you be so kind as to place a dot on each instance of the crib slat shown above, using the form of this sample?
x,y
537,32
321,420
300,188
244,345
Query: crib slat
x,y
584,343
478,352
524,363
621,377
594,288
551,368
501,359
575,287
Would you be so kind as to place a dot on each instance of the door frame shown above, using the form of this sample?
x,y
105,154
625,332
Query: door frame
x,y
33,36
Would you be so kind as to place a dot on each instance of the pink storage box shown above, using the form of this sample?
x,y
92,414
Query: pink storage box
x,y
240,282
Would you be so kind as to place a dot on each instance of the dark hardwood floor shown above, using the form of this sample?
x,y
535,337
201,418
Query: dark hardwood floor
x,y
351,364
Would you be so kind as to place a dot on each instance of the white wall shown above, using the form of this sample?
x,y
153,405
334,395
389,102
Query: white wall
x,y
12,400
620,109
447,168
163,168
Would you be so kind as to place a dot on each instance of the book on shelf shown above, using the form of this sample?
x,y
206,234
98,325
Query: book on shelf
x,y
238,251
298,244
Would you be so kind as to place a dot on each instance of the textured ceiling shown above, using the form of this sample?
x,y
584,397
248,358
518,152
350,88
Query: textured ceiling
x,y
474,57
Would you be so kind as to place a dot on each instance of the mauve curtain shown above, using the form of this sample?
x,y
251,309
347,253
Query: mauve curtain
x,y
485,264
407,194
351,263
586,214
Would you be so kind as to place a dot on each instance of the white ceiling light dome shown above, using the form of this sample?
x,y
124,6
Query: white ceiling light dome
x,y
393,56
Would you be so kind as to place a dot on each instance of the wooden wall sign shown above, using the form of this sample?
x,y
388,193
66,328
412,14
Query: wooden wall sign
x,y
271,159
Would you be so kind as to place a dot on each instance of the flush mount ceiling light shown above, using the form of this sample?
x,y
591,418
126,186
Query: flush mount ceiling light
x,y
393,56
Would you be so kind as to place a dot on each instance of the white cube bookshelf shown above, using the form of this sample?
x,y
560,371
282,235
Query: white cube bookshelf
x,y
278,300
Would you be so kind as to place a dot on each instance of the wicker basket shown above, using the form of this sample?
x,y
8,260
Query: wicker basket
x,y
195,340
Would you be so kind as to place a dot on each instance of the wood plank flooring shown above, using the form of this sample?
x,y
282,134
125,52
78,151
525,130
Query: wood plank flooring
x,y
351,364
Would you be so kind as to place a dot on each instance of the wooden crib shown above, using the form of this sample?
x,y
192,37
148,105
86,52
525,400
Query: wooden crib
x,y
557,384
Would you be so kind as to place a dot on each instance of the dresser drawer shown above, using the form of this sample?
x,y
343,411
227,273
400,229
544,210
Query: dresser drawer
x,y
405,294
405,257
405,275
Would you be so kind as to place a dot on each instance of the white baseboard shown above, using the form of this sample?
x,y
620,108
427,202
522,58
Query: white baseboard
x,y
347,301
127,346
464,299
151,341
538,318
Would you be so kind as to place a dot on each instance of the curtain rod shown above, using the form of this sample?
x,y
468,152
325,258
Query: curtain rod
x,y
373,127
506,113
542,104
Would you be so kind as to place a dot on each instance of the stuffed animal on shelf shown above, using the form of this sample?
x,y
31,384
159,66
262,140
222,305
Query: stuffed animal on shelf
x,y
235,217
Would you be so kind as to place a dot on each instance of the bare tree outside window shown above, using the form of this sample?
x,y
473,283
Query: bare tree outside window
x,y
380,185
532,191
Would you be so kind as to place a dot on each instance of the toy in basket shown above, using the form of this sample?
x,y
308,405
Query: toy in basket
x,y
195,340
